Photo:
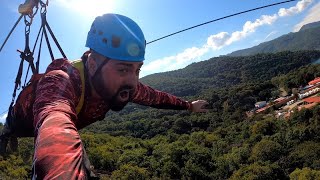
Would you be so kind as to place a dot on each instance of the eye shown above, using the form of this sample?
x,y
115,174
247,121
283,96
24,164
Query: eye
x,y
123,70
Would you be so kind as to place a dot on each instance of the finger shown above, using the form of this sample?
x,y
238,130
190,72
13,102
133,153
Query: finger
x,y
206,106
202,101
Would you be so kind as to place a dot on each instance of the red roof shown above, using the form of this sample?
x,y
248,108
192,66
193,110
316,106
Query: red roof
x,y
262,109
314,99
279,99
313,82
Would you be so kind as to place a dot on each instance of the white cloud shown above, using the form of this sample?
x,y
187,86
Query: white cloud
x,y
3,117
312,16
217,41
300,6
174,62
222,39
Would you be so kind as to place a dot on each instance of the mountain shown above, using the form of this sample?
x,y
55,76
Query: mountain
x,y
310,25
226,71
307,38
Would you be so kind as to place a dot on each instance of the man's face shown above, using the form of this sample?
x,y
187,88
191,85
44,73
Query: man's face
x,y
119,80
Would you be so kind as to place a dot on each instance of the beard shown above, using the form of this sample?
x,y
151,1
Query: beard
x,y
118,100
121,98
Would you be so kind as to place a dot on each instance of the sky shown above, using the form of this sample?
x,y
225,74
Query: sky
x,y
70,21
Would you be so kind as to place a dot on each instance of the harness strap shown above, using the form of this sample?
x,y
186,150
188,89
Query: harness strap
x,y
79,65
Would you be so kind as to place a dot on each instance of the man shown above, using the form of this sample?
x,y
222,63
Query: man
x,y
112,66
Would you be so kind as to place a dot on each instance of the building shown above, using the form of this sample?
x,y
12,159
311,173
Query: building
x,y
310,102
260,104
314,99
315,81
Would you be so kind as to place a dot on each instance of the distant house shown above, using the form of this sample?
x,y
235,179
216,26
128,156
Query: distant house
x,y
315,81
306,88
309,92
314,99
260,104
282,101
310,102
279,99
264,109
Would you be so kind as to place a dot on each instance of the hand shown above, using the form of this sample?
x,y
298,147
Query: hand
x,y
199,106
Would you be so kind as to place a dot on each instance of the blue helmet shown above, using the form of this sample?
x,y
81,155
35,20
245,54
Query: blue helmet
x,y
117,37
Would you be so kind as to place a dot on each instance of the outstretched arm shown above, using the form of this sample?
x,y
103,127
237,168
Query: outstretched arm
x,y
148,96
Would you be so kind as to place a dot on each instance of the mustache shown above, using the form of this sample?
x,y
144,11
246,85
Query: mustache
x,y
126,88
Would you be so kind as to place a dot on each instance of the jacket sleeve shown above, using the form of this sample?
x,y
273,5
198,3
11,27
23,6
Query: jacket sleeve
x,y
145,95
56,96
58,147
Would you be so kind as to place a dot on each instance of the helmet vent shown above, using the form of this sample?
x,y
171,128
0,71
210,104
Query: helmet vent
x,y
105,40
116,41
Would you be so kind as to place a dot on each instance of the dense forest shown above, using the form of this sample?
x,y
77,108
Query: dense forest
x,y
145,143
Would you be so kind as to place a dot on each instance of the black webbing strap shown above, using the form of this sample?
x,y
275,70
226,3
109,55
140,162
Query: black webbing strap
x,y
39,53
15,25
55,40
44,20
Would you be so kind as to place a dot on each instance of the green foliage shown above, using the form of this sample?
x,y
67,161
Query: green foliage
x,y
13,167
266,150
17,165
129,172
258,171
306,154
305,174
266,127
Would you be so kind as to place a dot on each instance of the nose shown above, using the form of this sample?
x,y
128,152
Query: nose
x,y
132,80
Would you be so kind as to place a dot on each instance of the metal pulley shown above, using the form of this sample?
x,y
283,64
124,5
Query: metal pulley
x,y
27,7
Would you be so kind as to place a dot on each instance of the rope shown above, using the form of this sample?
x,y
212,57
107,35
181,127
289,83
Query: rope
x,y
39,53
55,40
242,12
15,25
4,112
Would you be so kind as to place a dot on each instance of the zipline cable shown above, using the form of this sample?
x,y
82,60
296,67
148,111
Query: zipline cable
x,y
4,112
242,12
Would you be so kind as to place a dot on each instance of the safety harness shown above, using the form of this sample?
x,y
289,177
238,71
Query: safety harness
x,y
19,122
28,11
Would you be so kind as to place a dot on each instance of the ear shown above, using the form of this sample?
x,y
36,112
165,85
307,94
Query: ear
x,y
91,65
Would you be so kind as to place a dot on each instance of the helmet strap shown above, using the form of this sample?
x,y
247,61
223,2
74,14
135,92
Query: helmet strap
x,y
97,79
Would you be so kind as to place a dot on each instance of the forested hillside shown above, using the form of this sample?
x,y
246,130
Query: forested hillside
x,y
146,143
224,72
307,38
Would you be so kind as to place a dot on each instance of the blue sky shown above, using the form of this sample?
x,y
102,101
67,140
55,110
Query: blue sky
x,y
71,19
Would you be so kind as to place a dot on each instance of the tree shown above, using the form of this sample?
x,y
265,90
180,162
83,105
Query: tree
x,y
305,174
265,127
130,172
13,167
306,154
259,171
266,150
